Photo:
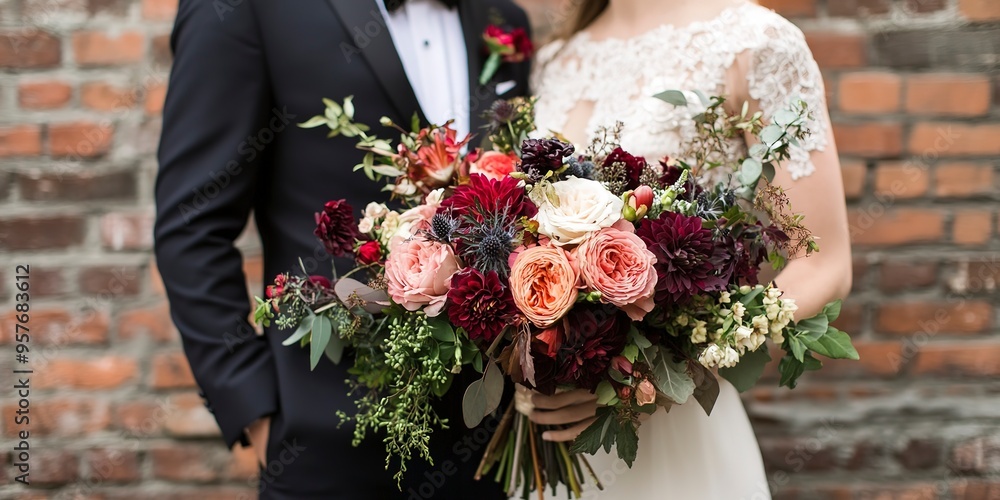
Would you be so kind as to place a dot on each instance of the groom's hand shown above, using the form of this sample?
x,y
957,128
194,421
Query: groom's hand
x,y
575,408
257,432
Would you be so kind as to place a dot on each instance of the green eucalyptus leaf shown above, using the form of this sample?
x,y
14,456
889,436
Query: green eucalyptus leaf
x,y
304,328
675,97
672,378
313,122
320,338
335,349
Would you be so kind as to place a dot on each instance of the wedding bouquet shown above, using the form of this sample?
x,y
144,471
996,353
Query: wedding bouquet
x,y
527,260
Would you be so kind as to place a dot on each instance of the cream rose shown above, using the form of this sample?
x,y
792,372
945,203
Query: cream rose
x,y
570,210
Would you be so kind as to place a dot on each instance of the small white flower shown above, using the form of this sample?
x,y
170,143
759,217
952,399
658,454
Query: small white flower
x,y
724,298
729,358
435,197
682,320
711,356
745,289
389,227
742,332
739,310
760,323
366,225
700,333
376,210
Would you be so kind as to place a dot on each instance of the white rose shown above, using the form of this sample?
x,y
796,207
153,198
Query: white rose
x,y
580,207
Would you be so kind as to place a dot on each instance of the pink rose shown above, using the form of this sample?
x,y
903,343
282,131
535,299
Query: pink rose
x,y
419,274
618,264
410,224
494,165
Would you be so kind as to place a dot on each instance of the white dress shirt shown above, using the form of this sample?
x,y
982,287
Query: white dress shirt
x,y
429,40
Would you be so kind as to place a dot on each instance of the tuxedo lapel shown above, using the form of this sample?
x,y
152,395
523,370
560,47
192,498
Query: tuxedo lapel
x,y
380,53
474,16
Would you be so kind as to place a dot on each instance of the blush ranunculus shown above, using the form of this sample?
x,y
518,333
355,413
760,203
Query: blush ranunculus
x,y
419,274
544,283
494,165
581,207
618,264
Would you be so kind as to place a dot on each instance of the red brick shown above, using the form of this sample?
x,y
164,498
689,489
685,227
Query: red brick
x,y
907,318
162,55
101,96
897,276
57,326
29,48
878,359
837,50
948,94
155,96
972,227
896,492
976,276
127,231
901,180
920,454
953,139
975,489
870,92
48,283
963,180
79,185
106,465
142,418
93,48
107,372
798,455
187,463
858,7
881,226
159,10
108,7
111,282
61,417
20,140
44,95
980,10
959,359
851,317
853,173
189,418
171,371
153,322
41,232
80,139
54,467
979,455
872,140
859,270
792,8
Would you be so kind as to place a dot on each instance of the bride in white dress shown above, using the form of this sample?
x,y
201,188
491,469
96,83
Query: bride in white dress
x,y
613,60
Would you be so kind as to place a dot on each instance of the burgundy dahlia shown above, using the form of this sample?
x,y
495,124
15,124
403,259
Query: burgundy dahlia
x,y
685,256
594,334
336,228
482,196
541,156
634,165
480,303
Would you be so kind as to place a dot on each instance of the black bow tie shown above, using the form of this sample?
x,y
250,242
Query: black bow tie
x,y
392,5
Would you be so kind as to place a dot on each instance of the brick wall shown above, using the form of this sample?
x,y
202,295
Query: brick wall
x,y
914,92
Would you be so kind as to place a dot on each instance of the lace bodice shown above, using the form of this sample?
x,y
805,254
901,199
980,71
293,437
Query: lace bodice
x,y
618,78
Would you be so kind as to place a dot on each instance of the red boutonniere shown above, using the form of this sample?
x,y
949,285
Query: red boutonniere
x,y
505,46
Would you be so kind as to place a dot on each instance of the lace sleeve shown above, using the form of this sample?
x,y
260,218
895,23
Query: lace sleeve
x,y
783,71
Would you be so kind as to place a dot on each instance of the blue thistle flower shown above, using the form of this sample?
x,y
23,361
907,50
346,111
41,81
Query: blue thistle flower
x,y
487,245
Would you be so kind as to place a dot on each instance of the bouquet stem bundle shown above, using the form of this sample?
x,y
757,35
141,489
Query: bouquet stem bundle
x,y
525,462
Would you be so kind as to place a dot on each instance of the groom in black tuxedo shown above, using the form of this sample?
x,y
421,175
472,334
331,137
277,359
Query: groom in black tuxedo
x,y
245,72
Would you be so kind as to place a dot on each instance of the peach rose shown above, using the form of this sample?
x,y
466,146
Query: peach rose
x,y
618,264
419,274
544,283
494,165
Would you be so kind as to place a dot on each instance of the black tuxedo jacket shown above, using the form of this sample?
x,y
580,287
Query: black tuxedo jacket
x,y
245,72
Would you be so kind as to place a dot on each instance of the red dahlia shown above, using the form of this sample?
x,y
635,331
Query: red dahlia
x,y
336,228
595,333
480,303
685,256
482,196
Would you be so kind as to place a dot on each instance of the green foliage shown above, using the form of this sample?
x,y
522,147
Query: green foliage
x,y
745,374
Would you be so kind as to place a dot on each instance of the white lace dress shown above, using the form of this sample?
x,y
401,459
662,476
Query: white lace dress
x,y
583,85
